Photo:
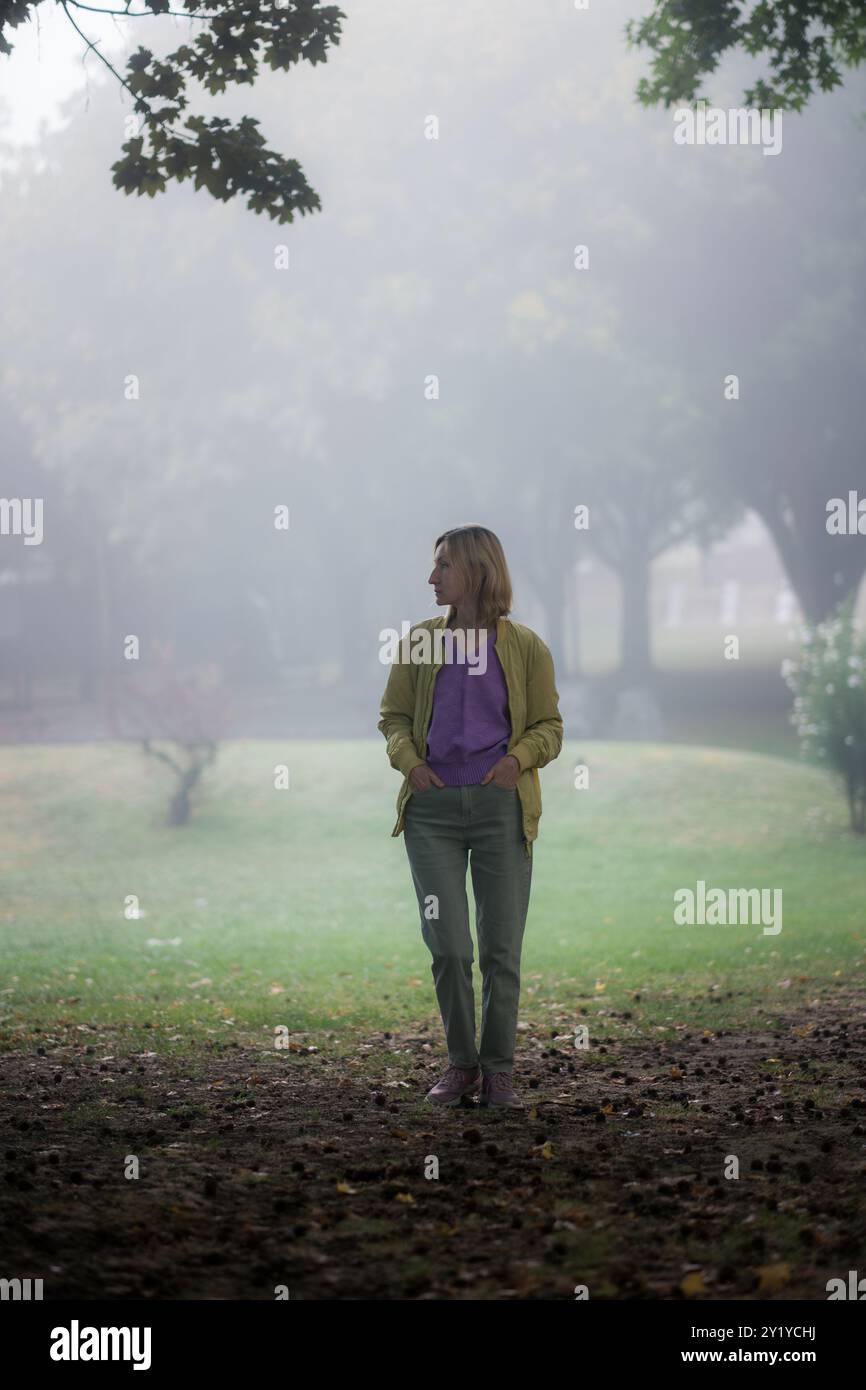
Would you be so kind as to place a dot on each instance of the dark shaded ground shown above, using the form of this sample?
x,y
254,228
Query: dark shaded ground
x,y
300,1169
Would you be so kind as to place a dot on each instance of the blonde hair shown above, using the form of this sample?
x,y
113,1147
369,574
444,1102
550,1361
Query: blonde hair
x,y
479,560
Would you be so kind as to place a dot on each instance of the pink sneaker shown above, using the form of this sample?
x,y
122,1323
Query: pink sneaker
x,y
455,1084
496,1089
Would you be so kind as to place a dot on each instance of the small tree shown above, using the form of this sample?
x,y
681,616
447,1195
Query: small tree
x,y
178,716
829,685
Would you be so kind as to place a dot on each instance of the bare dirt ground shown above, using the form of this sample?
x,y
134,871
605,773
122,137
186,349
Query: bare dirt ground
x,y
306,1170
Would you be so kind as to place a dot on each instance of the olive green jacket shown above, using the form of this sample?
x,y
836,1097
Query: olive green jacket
x,y
533,706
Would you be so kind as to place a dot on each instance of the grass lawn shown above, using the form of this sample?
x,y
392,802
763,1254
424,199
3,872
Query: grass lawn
x,y
295,908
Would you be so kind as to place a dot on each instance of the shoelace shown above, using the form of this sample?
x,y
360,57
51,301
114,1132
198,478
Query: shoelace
x,y
500,1081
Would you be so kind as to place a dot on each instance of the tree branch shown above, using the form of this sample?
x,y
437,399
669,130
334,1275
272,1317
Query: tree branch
x,y
64,4
144,14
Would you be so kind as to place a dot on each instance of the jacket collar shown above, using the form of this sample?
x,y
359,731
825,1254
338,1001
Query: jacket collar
x,y
502,626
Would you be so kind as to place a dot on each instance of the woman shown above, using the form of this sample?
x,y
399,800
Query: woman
x,y
470,713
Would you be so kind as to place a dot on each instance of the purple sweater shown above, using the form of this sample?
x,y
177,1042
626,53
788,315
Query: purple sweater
x,y
470,725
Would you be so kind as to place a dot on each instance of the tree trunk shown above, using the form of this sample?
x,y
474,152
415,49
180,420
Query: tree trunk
x,y
635,647
551,591
179,809
821,569
856,804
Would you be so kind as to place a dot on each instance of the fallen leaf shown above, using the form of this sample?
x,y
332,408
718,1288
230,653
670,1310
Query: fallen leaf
x,y
773,1277
693,1284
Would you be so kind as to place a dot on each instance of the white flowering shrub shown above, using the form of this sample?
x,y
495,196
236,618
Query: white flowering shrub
x,y
829,686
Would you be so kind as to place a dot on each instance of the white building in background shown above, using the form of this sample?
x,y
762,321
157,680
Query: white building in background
x,y
739,585
739,580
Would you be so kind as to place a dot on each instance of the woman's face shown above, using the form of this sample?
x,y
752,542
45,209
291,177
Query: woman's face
x,y
446,585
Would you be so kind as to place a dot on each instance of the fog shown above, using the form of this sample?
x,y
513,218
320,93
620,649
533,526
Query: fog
x,y
429,349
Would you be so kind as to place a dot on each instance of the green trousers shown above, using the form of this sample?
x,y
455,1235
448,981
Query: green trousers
x,y
446,828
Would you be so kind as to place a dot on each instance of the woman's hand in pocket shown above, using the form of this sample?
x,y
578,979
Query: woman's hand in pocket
x,y
504,773
422,778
